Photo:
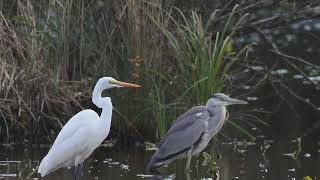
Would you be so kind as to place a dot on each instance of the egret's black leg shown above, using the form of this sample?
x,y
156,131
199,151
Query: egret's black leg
x,y
78,171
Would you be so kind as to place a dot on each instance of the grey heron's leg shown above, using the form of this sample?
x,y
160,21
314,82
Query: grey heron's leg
x,y
189,156
187,175
197,166
78,171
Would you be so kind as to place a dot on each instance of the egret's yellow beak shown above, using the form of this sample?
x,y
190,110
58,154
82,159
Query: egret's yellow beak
x,y
126,85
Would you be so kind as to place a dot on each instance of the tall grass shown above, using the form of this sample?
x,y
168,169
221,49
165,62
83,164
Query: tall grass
x,y
53,52
47,63
204,56
160,109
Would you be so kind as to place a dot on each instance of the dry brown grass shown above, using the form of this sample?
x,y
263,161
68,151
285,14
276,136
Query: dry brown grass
x,y
31,89
52,53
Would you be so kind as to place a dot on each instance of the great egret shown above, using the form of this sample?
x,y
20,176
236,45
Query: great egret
x,y
83,133
192,132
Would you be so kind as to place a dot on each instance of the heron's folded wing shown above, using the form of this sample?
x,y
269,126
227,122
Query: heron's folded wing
x,y
77,121
65,152
186,131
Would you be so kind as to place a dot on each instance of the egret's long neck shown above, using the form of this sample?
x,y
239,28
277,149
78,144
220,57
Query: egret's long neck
x,y
96,95
104,103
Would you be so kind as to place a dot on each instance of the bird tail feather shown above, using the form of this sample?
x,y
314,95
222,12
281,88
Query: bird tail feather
x,y
43,167
153,165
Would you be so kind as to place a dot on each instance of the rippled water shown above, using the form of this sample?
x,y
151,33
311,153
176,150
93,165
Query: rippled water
x,y
234,160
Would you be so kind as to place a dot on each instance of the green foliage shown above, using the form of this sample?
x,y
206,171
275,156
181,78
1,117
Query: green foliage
x,y
204,57
160,108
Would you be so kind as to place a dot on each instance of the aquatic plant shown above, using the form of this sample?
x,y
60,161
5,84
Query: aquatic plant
x,y
160,109
204,56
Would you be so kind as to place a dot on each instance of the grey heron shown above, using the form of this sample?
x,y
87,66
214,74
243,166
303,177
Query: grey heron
x,y
192,131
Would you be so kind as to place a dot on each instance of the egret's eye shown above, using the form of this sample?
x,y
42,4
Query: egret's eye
x,y
113,82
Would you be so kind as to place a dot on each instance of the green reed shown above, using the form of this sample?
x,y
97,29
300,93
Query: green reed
x,y
204,57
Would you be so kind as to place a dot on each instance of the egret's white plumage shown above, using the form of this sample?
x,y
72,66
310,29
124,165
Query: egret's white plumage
x,y
83,133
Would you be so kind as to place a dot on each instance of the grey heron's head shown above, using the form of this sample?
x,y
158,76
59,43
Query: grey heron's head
x,y
220,99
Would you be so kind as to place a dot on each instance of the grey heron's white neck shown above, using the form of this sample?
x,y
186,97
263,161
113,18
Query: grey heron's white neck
x,y
217,120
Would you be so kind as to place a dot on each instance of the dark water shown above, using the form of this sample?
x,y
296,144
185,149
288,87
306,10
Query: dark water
x,y
263,159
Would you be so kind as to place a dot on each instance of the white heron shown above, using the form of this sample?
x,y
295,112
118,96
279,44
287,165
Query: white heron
x,y
83,133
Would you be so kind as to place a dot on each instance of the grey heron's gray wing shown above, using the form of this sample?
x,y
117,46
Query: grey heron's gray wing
x,y
185,132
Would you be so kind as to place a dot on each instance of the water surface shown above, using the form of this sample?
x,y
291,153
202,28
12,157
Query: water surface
x,y
264,159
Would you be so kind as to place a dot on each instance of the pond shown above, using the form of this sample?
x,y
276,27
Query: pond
x,y
264,159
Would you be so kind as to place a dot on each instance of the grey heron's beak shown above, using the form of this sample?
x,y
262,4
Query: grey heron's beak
x,y
236,101
127,85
